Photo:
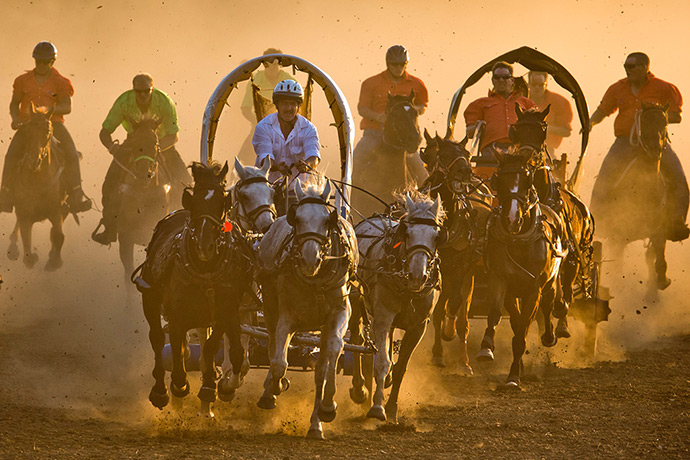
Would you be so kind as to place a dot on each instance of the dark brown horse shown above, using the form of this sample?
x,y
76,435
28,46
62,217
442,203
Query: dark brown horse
x,y
145,191
524,252
636,204
385,169
467,202
38,193
529,136
196,271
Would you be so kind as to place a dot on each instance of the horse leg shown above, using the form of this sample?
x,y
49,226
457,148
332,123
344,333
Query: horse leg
x,y
358,392
230,383
126,256
383,320
548,338
13,249
520,320
437,319
152,308
268,399
496,301
30,257
179,385
565,299
332,342
409,343
658,246
57,239
463,321
279,363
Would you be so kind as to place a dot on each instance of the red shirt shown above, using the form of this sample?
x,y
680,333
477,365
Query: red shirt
x,y
498,113
560,114
620,97
374,94
46,95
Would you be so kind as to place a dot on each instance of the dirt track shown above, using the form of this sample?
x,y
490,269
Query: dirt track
x,y
59,406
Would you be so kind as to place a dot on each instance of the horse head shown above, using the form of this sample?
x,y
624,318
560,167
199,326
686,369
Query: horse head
x,y
254,197
143,147
513,184
313,224
530,128
652,122
206,204
418,234
38,132
401,129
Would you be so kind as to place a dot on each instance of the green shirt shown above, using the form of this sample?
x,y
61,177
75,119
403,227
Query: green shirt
x,y
126,106
265,86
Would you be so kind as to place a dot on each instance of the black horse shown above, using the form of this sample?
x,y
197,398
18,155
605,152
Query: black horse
x,y
389,167
637,205
467,202
197,268
524,252
529,136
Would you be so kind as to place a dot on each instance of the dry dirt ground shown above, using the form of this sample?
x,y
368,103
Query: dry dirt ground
x,y
83,395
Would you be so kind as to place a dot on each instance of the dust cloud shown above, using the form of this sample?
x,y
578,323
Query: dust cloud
x,y
77,339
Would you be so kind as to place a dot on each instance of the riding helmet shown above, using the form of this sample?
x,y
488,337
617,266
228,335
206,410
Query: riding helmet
x,y
288,89
45,51
397,54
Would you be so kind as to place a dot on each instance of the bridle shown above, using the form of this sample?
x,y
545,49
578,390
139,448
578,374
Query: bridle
x,y
393,127
253,214
636,137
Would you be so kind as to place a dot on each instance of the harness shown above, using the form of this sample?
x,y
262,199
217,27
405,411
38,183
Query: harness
x,y
247,219
394,127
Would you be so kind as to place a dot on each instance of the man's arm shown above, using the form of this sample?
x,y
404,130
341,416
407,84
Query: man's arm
x,y
63,106
675,117
561,131
106,138
168,141
596,118
14,110
368,113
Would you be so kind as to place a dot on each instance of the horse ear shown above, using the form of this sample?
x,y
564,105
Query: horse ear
x,y
546,111
411,95
518,110
436,207
499,156
240,169
224,171
298,190
266,165
463,142
427,136
187,200
409,204
326,191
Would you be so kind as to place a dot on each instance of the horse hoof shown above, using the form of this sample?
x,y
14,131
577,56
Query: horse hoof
x,y
315,434
226,392
392,413
359,395
328,415
53,264
438,361
159,400
377,412
662,284
485,355
13,252
207,394
466,370
562,331
267,402
548,340
30,260
511,385
179,392
448,331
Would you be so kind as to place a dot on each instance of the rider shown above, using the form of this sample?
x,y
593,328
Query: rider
x,y
288,140
373,98
627,96
44,86
560,114
133,104
495,112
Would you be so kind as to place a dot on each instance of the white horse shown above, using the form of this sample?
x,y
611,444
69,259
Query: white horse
x,y
306,261
400,275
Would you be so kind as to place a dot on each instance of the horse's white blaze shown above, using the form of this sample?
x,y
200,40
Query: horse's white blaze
x,y
209,195
514,207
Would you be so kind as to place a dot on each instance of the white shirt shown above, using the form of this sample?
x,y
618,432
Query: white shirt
x,y
301,144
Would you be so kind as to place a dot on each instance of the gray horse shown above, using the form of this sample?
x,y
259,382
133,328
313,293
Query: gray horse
x,y
400,276
306,261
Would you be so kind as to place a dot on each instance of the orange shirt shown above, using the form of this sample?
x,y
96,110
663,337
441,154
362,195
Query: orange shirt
x,y
374,94
46,95
620,97
560,114
498,113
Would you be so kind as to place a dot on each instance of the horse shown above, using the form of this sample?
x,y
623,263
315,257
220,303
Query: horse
x,y
38,193
467,203
145,190
198,265
390,165
306,260
529,135
524,252
400,277
636,204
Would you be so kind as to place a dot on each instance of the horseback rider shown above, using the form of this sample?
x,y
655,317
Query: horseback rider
x,y
560,114
287,139
626,96
131,106
373,98
44,86
491,116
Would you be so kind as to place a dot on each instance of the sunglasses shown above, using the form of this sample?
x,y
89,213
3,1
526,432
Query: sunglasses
x,y
143,91
502,77
397,64
630,66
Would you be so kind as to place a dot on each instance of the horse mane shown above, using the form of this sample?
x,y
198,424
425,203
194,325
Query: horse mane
x,y
422,201
314,185
207,175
